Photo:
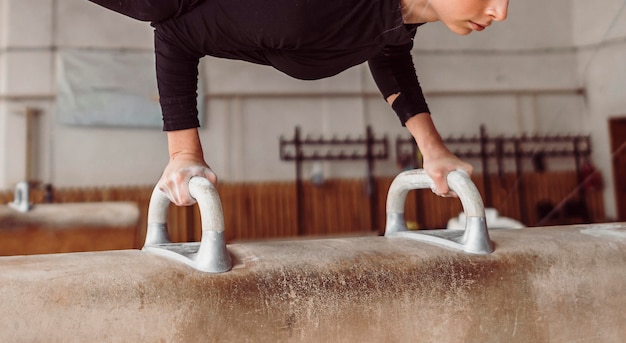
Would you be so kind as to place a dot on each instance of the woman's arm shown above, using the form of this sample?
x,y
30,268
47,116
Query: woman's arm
x,y
438,160
177,78
395,75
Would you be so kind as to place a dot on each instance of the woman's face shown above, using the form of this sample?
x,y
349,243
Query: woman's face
x,y
464,16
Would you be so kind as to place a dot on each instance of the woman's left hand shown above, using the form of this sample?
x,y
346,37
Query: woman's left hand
x,y
438,167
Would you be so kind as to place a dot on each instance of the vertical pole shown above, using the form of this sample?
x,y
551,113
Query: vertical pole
x,y
299,192
29,167
577,162
582,193
520,181
499,157
485,163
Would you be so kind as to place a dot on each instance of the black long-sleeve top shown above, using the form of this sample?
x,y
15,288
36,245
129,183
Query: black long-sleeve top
x,y
306,39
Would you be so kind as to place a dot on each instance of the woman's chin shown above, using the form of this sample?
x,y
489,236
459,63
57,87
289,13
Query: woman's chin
x,y
460,30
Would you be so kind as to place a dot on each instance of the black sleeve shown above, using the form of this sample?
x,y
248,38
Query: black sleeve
x,y
177,79
394,72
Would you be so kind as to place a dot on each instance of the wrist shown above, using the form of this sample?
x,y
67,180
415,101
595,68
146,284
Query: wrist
x,y
426,136
184,143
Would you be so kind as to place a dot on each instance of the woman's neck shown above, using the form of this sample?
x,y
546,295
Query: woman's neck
x,y
417,11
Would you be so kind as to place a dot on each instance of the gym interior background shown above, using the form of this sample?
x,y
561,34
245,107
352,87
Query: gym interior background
x,y
536,103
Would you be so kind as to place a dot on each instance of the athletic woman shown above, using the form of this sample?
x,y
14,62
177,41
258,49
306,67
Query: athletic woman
x,y
306,39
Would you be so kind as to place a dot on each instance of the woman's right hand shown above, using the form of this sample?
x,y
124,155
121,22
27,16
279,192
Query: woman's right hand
x,y
186,161
175,179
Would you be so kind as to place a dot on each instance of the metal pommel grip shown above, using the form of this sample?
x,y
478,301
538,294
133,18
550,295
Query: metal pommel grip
x,y
210,255
474,239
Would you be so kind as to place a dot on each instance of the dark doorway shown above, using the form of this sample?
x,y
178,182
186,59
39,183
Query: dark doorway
x,y
617,129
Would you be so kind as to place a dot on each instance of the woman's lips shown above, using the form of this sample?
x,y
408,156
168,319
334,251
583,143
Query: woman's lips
x,y
477,27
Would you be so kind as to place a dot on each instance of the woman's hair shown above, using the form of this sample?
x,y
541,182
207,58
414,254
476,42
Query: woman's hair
x,y
408,9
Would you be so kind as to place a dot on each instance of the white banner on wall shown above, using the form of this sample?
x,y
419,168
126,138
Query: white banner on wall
x,y
108,88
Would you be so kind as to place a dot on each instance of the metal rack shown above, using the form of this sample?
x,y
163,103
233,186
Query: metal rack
x,y
368,148
502,148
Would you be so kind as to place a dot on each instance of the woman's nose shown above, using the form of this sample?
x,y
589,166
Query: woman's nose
x,y
498,10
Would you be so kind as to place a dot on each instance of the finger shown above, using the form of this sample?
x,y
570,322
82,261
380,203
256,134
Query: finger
x,y
182,195
201,171
469,169
450,194
441,186
211,176
177,191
